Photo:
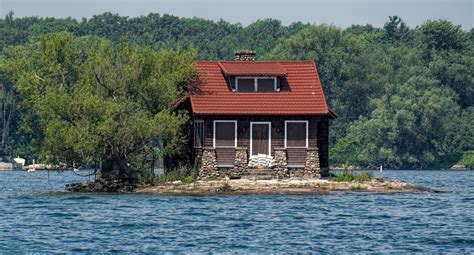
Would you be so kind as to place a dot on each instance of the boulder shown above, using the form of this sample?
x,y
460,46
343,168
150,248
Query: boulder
x,y
102,185
8,166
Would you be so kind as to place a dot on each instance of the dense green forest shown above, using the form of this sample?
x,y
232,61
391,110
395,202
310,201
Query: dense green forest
x,y
404,95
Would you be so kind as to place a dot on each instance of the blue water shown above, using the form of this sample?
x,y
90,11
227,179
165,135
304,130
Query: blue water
x,y
36,215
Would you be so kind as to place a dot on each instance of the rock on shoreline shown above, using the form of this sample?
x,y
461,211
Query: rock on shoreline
x,y
102,185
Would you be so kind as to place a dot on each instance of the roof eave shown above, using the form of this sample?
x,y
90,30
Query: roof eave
x,y
333,113
182,100
258,114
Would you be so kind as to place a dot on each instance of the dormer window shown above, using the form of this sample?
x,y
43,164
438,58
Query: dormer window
x,y
245,84
256,84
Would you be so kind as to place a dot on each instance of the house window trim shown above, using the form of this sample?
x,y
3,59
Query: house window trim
x,y
214,134
255,83
269,123
202,131
307,132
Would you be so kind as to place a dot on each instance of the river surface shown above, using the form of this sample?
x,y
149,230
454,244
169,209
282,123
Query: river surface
x,y
36,215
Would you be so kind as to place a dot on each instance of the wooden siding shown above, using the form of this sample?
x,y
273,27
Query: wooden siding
x,y
296,156
225,156
323,143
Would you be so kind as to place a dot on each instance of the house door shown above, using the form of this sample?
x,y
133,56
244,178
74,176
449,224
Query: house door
x,y
260,138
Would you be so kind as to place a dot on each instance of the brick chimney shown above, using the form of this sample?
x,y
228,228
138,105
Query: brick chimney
x,y
245,55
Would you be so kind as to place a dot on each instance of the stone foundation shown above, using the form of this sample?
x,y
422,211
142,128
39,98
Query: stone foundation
x,y
208,166
241,162
311,167
281,167
296,172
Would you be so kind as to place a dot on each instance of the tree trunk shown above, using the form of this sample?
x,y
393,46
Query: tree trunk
x,y
7,113
118,169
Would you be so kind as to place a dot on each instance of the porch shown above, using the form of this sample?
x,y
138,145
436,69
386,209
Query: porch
x,y
210,168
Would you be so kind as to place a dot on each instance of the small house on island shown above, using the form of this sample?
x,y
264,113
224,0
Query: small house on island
x,y
251,118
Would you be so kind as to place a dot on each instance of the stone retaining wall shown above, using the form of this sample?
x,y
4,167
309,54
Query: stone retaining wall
x,y
281,168
296,172
241,162
311,167
208,165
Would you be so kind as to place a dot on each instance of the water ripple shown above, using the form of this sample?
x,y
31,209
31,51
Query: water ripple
x,y
36,215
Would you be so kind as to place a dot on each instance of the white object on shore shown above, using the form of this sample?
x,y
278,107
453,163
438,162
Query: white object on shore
x,y
20,161
381,168
261,160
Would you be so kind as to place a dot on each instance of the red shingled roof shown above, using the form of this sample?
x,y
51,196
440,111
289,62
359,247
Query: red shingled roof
x,y
238,68
303,94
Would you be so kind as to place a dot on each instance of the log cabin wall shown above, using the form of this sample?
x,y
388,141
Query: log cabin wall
x,y
323,144
296,156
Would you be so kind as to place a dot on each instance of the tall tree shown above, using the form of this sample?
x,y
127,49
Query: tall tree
x,y
399,132
7,110
443,35
358,66
395,31
93,99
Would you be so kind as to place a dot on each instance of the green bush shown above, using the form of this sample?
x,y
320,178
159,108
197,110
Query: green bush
x,y
347,176
467,159
177,175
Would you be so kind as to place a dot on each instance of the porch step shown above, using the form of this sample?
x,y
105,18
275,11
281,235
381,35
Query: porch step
x,y
260,171
259,174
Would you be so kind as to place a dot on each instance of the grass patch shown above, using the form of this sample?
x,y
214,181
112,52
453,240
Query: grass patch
x,y
347,176
178,175
358,187
225,187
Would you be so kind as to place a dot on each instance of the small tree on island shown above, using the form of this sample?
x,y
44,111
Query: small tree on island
x,y
87,99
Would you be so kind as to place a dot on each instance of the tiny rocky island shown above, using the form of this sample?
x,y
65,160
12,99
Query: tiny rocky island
x,y
342,182
308,186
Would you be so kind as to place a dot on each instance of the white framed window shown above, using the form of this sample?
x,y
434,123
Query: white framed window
x,y
256,84
198,133
225,134
296,133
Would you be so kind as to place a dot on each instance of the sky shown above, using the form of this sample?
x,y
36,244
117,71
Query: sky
x,y
341,13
